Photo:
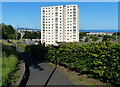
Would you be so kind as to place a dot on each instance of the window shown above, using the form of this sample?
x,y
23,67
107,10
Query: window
x,y
70,9
74,9
67,6
74,12
74,27
70,12
74,6
56,8
67,9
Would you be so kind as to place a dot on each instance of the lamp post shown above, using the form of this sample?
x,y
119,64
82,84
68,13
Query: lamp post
x,y
16,36
56,46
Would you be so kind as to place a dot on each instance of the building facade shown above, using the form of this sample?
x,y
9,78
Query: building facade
x,y
59,24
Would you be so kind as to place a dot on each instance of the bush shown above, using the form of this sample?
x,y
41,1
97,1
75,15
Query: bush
x,y
100,59
36,51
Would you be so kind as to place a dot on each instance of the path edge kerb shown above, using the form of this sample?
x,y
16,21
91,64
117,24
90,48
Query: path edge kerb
x,y
21,70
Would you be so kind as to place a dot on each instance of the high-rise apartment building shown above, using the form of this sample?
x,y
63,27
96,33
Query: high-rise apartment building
x,y
59,24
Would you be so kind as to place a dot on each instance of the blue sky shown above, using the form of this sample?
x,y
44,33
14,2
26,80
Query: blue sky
x,y
93,15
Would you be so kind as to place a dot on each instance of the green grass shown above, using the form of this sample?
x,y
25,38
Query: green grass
x,y
8,67
10,60
21,47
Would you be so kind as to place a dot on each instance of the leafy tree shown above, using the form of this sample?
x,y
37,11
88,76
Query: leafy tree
x,y
94,38
7,31
99,35
31,35
86,39
82,34
116,33
107,38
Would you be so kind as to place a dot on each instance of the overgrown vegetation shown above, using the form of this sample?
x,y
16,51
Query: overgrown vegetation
x,y
8,32
97,60
10,61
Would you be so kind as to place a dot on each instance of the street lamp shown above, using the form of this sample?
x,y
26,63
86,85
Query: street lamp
x,y
16,36
56,46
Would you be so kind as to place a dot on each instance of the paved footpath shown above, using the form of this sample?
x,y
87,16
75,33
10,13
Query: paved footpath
x,y
42,73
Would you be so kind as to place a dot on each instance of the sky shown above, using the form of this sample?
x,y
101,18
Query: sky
x,y
93,15
60,0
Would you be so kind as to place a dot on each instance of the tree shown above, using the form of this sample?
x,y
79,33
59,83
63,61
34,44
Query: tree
x,y
7,31
31,35
82,34
86,39
94,38
107,38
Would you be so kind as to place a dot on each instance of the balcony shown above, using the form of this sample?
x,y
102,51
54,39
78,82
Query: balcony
x,y
74,11
74,20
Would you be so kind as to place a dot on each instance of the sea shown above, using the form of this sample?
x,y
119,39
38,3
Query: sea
x,y
102,30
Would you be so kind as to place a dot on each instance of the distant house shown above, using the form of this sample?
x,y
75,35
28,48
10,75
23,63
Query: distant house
x,y
99,33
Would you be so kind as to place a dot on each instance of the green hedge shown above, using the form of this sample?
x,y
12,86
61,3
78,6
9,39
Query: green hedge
x,y
98,60
36,51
